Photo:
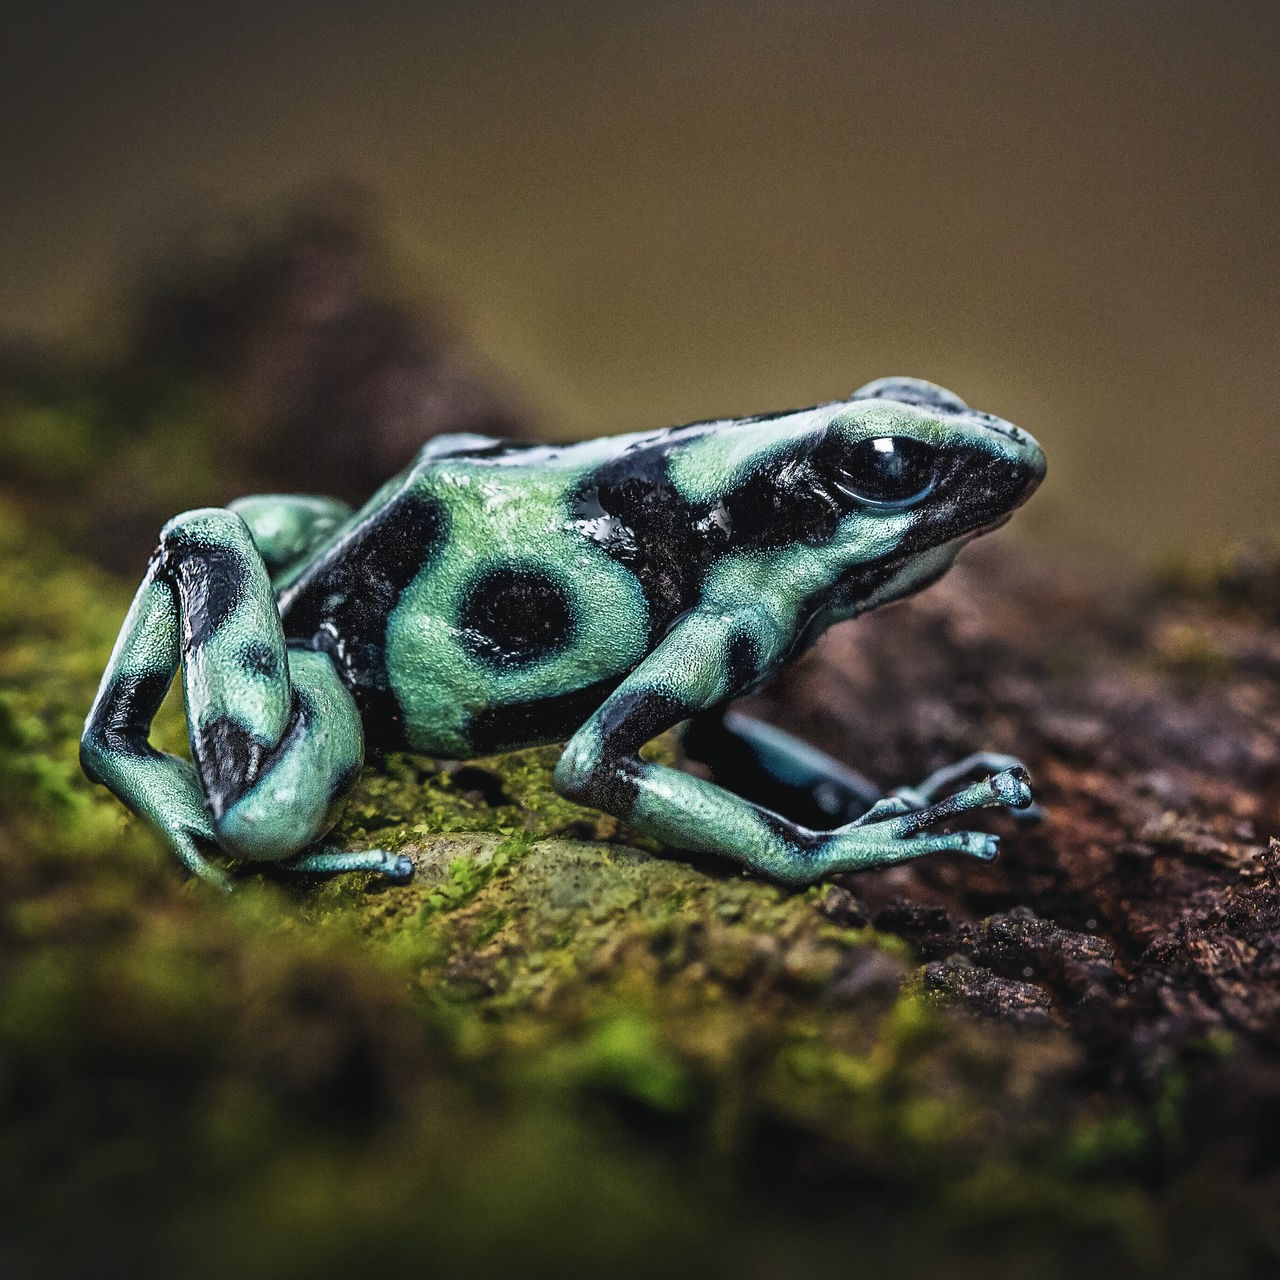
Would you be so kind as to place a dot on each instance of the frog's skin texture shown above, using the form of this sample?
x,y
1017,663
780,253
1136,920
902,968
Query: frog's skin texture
x,y
493,596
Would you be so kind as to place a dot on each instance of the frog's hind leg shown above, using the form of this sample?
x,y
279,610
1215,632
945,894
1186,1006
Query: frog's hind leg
x,y
272,804
274,734
114,750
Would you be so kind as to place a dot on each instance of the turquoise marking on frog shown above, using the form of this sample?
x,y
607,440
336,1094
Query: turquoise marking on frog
x,y
493,596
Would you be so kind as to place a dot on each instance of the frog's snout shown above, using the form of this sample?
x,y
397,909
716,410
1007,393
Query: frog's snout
x,y
999,474
1021,453
1033,462
1032,455
1022,444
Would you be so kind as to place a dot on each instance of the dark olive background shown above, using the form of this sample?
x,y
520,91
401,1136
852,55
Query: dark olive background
x,y
650,213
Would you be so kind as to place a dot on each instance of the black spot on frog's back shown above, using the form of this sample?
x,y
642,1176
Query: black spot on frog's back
x,y
513,615
260,659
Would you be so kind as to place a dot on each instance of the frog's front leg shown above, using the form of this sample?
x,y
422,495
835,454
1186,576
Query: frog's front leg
x,y
275,735
689,672
786,774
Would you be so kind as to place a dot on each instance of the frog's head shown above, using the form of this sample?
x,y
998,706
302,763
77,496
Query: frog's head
x,y
917,474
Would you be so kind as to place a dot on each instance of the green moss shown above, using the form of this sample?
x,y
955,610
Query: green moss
x,y
621,1054
416,798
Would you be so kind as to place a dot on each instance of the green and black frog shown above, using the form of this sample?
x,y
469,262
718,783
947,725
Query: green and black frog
x,y
496,595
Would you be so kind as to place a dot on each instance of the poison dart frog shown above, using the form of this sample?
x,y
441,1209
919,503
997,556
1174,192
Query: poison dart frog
x,y
497,595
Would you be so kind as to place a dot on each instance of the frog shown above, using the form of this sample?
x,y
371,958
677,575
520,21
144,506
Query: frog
x,y
497,595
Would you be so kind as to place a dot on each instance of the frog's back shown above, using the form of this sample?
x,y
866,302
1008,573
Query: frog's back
x,y
479,601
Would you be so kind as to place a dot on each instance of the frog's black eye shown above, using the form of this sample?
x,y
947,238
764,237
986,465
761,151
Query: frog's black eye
x,y
890,469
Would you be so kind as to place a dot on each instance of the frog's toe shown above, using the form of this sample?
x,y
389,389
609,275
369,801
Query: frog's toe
x,y
330,861
977,844
1015,784
184,841
889,807
981,845
399,867
908,798
1011,787
396,867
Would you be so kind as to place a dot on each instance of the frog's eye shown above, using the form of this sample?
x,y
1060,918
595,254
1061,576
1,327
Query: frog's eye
x,y
893,470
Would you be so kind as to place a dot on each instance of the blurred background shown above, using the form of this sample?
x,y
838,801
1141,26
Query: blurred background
x,y
277,245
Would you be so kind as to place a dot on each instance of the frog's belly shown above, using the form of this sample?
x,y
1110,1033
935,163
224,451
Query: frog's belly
x,y
521,655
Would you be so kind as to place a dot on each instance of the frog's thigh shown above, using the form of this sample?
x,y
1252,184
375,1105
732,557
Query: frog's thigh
x,y
275,736
776,770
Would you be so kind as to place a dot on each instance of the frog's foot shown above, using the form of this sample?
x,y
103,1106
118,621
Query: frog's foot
x,y
186,845
786,775
890,833
924,793
396,867
1009,789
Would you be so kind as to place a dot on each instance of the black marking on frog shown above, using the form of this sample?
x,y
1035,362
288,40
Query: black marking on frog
x,y
632,510
123,716
504,726
634,718
514,615
342,603
209,578
229,760
625,725
742,661
630,507
782,505
261,659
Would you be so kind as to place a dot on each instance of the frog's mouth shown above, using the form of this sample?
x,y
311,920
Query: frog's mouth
x,y
868,585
